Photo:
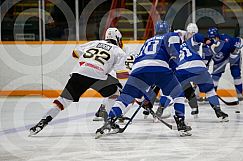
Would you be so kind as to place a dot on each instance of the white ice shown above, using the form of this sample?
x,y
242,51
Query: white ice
x,y
70,137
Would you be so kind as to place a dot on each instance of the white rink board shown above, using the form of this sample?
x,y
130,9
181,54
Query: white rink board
x,y
71,135
29,67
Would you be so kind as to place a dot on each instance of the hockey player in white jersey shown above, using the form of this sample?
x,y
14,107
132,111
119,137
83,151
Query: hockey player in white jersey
x,y
191,29
107,103
97,59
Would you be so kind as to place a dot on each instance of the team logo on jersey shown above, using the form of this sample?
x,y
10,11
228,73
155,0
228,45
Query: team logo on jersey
x,y
91,66
219,56
81,63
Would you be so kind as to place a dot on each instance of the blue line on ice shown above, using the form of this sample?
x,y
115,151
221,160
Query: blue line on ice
x,y
58,121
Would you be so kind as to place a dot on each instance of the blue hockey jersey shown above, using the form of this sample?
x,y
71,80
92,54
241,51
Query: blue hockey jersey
x,y
158,51
190,60
224,47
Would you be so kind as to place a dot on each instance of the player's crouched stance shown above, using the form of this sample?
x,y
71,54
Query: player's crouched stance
x,y
191,68
151,67
96,59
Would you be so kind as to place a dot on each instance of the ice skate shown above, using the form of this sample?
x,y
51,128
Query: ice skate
x,y
182,127
240,97
221,115
146,106
195,112
109,127
202,99
146,114
101,114
38,127
122,119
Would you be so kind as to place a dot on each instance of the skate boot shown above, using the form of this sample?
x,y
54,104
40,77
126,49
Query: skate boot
x,y
146,106
195,112
101,114
182,127
220,114
240,97
107,127
146,114
38,127
122,119
202,99
159,113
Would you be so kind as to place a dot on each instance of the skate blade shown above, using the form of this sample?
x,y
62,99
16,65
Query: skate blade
x,y
98,119
32,133
98,135
155,120
145,117
226,119
184,133
195,116
101,134
106,133
174,128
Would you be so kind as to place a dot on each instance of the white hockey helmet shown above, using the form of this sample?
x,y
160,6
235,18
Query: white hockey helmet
x,y
192,28
113,33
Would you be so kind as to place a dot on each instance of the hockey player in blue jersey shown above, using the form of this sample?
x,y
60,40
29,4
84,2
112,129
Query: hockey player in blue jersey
x,y
189,90
226,50
191,68
151,67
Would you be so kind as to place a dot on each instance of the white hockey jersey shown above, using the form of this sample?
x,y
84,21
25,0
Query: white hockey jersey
x,y
98,58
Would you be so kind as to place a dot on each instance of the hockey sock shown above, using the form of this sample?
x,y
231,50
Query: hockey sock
x,y
238,86
238,89
52,111
190,95
215,81
58,105
179,106
193,102
127,109
115,112
212,98
119,106
108,103
164,101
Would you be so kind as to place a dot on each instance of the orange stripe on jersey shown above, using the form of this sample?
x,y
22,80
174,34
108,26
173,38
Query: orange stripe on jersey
x,y
75,54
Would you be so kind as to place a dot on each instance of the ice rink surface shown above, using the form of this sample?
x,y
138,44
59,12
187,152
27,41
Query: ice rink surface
x,y
70,136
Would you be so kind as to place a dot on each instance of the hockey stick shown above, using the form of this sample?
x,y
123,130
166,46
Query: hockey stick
x,y
229,103
121,130
155,89
161,120
101,131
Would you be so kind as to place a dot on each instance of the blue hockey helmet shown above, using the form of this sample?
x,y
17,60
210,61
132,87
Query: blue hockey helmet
x,y
213,32
162,27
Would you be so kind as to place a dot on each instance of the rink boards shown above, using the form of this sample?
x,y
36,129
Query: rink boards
x,y
42,68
